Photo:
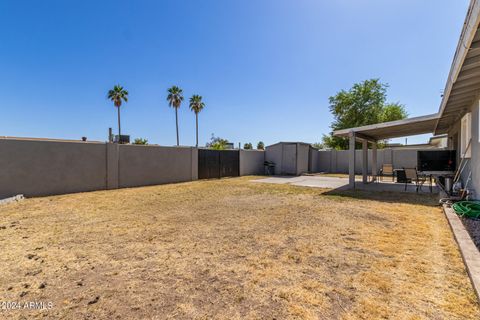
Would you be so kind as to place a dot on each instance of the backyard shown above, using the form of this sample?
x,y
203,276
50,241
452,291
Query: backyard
x,y
233,249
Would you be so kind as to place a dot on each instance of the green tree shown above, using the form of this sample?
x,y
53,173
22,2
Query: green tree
x,y
260,145
363,104
247,146
318,145
217,143
140,141
393,111
175,98
196,105
117,95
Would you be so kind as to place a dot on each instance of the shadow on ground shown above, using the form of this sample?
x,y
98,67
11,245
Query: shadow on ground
x,y
385,196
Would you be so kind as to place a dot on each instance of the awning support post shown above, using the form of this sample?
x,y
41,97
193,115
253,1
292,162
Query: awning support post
x,y
351,161
374,161
364,161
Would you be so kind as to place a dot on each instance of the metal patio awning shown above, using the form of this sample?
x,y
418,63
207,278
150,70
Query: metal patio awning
x,y
392,129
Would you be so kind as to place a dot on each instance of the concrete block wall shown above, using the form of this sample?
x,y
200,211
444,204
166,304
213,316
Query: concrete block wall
x,y
141,165
404,158
38,168
112,165
314,162
336,161
326,161
251,162
35,167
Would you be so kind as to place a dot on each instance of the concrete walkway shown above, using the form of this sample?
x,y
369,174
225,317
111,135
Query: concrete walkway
x,y
326,182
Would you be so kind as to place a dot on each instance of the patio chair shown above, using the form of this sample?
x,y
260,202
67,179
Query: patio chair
x,y
411,175
386,171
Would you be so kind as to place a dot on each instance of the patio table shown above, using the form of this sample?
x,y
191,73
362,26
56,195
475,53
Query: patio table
x,y
434,175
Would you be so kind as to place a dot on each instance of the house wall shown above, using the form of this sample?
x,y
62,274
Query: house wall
x,y
473,163
251,162
474,160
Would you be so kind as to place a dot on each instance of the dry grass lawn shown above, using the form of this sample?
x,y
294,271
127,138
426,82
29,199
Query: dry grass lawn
x,y
232,249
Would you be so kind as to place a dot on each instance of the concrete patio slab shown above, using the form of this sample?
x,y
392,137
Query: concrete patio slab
x,y
342,183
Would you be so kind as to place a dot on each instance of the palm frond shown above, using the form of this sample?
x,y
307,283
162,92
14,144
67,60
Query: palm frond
x,y
175,96
117,95
196,103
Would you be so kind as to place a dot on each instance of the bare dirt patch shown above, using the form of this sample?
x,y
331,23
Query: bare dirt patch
x,y
232,249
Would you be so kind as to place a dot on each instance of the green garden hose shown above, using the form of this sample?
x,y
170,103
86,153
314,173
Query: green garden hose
x,y
469,209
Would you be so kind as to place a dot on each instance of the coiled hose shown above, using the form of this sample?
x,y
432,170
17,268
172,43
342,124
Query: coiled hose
x,y
469,209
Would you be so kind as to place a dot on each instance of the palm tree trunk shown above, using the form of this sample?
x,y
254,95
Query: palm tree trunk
x,y
176,120
196,120
119,129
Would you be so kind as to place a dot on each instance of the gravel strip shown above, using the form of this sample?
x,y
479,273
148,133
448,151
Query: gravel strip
x,y
473,228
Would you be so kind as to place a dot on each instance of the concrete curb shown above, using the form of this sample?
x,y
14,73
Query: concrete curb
x,y
470,253
12,199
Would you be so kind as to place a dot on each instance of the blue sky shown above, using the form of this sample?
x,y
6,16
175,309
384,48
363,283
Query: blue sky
x,y
265,68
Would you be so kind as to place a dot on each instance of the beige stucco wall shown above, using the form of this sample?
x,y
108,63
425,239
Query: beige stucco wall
x,y
149,165
404,158
325,160
43,167
251,162
336,161
38,168
313,162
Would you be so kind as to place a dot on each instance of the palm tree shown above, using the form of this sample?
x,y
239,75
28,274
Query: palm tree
x,y
175,98
196,105
117,94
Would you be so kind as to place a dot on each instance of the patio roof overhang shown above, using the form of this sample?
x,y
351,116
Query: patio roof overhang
x,y
392,129
463,83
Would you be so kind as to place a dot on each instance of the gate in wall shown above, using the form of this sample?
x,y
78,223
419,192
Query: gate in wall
x,y
218,163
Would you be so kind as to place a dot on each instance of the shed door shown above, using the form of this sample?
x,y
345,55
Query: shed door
x,y
289,159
